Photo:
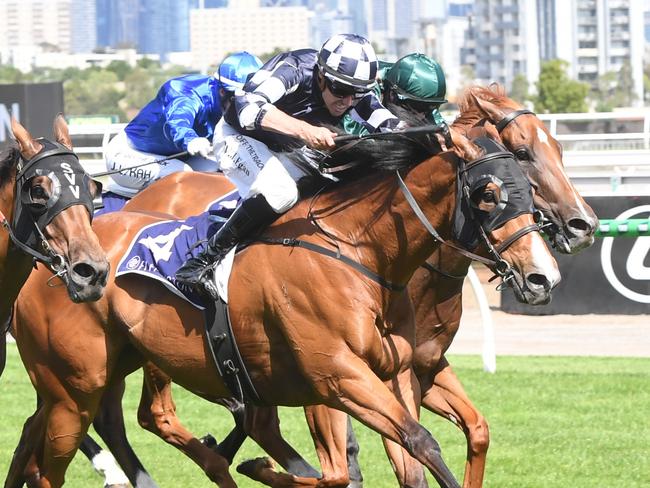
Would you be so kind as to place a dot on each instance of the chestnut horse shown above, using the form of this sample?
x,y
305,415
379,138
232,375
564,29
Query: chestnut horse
x,y
437,295
541,159
45,214
318,354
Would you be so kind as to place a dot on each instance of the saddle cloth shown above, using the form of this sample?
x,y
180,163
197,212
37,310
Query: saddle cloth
x,y
159,249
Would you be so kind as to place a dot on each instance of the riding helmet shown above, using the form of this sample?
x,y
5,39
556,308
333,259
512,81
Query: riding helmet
x,y
417,77
235,69
349,59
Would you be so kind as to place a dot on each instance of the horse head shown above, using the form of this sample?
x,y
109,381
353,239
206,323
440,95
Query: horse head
x,y
571,222
52,212
494,214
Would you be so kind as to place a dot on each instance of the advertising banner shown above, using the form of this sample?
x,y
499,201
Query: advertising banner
x,y
610,277
34,105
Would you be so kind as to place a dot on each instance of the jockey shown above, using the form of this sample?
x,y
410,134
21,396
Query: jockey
x,y
292,96
415,82
181,118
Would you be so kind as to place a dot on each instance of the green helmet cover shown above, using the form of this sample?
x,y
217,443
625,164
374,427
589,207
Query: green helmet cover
x,y
417,77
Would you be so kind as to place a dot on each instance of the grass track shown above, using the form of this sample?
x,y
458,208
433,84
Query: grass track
x,y
555,422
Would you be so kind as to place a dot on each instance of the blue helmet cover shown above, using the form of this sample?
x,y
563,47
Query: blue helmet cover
x,y
235,69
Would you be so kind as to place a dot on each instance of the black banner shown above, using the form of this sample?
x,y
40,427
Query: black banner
x,y
610,277
34,105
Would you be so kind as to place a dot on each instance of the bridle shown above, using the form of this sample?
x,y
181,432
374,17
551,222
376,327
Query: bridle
x,y
495,262
546,225
62,166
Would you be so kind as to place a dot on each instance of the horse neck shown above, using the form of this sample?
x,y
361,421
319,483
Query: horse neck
x,y
14,265
382,229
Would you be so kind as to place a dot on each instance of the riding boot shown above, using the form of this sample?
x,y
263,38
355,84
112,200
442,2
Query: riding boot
x,y
252,215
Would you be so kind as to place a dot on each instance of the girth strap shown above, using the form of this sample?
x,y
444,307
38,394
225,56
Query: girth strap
x,y
225,353
291,242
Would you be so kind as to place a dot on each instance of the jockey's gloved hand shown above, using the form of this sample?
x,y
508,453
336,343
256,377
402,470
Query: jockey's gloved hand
x,y
200,146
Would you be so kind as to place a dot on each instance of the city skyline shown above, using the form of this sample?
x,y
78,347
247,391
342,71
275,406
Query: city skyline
x,y
497,40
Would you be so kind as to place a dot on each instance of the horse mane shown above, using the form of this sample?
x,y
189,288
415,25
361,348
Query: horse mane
x,y
470,113
371,155
9,158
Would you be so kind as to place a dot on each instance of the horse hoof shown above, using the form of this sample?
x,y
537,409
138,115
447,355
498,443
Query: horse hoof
x,y
209,441
253,466
120,485
355,484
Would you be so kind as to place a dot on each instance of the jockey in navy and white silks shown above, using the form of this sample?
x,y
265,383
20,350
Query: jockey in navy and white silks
x,y
181,118
293,95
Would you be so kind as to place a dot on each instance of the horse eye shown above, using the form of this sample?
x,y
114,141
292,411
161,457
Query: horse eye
x,y
522,154
38,194
489,196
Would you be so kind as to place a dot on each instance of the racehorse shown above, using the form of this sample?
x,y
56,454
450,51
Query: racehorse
x,y
282,322
436,289
45,208
540,157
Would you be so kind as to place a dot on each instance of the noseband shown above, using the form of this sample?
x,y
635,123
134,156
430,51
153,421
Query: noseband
x,y
70,186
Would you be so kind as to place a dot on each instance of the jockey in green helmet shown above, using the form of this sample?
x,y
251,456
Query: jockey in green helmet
x,y
415,82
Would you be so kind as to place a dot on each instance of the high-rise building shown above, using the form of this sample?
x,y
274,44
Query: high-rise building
x,y
83,31
28,23
599,36
217,32
506,41
163,27
117,23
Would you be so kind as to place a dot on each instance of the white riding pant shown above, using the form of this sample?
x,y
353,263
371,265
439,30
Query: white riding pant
x,y
255,169
119,154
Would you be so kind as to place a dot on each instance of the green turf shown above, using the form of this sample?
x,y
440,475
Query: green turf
x,y
554,422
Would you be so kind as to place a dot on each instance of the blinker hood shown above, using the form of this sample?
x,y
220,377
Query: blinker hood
x,y
69,186
499,167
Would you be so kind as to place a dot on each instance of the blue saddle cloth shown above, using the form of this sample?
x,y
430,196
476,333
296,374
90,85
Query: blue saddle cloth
x,y
159,249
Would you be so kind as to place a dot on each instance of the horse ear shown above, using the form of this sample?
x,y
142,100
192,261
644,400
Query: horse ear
x,y
492,132
61,133
26,144
463,147
493,112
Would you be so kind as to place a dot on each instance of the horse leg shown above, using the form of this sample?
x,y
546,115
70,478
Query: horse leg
x,y
352,455
409,471
109,424
263,426
328,428
358,391
24,468
444,395
157,414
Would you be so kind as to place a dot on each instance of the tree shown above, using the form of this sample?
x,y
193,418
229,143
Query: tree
x,y
96,94
624,93
519,90
602,93
120,68
9,74
556,92
276,50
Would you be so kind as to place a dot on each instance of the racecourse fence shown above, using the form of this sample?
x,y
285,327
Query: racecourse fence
x,y
603,152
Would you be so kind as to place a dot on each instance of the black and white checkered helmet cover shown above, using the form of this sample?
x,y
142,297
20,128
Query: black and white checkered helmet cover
x,y
349,59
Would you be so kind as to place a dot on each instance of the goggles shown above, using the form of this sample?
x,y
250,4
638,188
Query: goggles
x,y
418,106
342,90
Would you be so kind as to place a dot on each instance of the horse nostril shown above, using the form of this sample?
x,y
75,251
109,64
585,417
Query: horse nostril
x,y
85,271
538,280
580,226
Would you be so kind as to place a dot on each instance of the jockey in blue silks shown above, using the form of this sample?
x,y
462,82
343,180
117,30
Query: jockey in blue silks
x,y
182,117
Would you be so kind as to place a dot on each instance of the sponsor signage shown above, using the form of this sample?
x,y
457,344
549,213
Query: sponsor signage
x,y
610,277
34,105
